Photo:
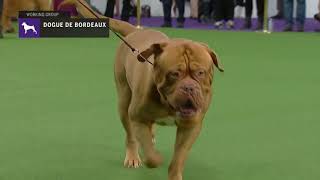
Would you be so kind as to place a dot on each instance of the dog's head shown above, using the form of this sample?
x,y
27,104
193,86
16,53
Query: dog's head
x,y
183,73
24,23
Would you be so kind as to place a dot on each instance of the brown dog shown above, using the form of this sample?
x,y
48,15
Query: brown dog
x,y
177,85
12,7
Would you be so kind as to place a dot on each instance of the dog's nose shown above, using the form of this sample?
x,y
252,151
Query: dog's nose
x,y
188,88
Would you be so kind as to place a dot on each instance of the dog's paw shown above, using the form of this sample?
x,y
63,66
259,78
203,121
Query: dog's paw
x,y
153,161
132,161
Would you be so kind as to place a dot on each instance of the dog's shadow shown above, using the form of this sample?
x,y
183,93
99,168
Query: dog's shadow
x,y
194,169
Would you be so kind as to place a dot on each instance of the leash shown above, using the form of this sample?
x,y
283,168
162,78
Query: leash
x,y
134,50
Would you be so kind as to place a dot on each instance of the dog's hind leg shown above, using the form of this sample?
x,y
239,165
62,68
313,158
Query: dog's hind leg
x,y
153,132
143,131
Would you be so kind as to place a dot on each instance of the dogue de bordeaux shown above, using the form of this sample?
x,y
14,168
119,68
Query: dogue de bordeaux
x,y
177,86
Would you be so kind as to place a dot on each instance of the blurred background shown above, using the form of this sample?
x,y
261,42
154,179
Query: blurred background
x,y
247,15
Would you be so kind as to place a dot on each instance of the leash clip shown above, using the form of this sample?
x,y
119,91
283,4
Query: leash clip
x,y
140,58
136,53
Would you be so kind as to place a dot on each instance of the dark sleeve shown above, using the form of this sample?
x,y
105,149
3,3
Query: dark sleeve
x,y
1,7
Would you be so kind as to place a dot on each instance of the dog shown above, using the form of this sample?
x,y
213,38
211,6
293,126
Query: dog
x,y
177,85
12,7
26,28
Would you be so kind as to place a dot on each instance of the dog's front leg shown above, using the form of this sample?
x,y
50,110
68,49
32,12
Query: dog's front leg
x,y
186,136
144,136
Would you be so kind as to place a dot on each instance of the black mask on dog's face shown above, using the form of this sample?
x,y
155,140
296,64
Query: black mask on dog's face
x,y
183,77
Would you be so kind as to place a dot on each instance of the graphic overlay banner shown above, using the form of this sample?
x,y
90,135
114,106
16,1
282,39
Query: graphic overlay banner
x,y
44,14
74,28
29,27
38,24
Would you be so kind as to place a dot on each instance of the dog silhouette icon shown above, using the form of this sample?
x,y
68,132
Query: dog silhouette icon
x,y
27,27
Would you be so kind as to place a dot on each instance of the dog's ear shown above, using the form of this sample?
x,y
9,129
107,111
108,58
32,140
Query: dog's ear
x,y
214,57
155,49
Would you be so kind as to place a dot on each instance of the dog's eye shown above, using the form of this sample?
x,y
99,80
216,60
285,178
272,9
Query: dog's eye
x,y
200,73
174,74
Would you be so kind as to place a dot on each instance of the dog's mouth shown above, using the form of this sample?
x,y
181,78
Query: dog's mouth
x,y
187,109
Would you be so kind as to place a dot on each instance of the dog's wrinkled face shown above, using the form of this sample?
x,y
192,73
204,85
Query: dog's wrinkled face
x,y
183,72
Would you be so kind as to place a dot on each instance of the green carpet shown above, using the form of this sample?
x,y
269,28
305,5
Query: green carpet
x,y
58,116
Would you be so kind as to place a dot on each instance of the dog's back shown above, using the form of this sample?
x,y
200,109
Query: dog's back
x,y
126,62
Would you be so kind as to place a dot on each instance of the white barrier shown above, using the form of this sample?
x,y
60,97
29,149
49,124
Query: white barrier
x,y
156,7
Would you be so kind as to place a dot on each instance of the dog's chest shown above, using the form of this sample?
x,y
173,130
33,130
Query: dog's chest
x,y
167,121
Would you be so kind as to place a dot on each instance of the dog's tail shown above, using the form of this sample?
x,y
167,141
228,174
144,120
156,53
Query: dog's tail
x,y
119,26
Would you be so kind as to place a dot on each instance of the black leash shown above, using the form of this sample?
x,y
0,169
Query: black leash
x,y
134,50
